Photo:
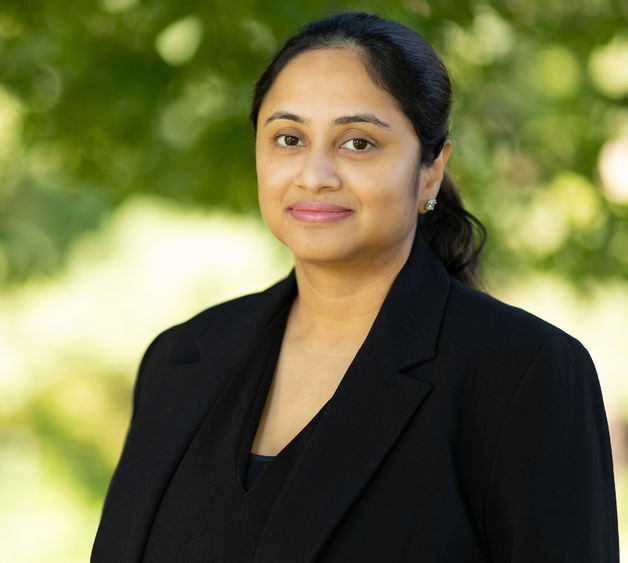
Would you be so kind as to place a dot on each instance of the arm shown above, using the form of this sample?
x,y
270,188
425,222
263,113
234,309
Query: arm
x,y
551,495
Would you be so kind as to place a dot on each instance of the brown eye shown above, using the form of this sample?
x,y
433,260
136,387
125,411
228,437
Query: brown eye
x,y
357,144
288,140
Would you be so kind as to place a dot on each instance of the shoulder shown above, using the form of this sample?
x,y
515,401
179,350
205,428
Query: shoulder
x,y
492,345
178,343
483,319
192,328
208,332
215,325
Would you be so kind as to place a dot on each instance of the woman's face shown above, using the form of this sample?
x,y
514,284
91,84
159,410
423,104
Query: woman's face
x,y
337,163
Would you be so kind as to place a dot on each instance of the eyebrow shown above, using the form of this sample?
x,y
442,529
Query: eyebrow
x,y
284,115
343,120
361,118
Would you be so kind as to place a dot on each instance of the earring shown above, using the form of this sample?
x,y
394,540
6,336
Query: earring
x,y
431,204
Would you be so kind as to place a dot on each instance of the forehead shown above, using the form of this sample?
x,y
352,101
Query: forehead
x,y
328,81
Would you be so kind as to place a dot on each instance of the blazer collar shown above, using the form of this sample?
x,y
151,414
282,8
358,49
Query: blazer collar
x,y
253,313
406,329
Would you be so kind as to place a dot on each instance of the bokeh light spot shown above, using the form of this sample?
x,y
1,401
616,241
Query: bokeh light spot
x,y
10,122
10,26
117,6
489,39
543,227
202,99
608,66
558,71
613,166
261,36
178,42
579,198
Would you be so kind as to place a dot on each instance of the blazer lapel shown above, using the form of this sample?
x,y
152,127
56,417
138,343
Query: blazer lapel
x,y
370,408
181,396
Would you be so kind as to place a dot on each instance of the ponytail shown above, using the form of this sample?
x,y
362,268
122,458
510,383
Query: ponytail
x,y
454,234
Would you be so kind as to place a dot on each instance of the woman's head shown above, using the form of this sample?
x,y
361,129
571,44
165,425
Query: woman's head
x,y
400,62
338,164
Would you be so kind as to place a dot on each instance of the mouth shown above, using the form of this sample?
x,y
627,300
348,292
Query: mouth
x,y
318,212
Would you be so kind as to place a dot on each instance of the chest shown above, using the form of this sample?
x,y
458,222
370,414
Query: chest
x,y
302,383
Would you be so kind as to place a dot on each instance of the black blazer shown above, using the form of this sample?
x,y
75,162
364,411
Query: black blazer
x,y
464,431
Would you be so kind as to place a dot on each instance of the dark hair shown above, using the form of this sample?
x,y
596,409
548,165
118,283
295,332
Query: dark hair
x,y
403,63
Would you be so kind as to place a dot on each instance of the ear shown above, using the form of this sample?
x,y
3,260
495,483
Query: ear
x,y
432,176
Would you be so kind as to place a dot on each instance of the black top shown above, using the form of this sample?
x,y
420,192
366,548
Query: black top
x,y
214,509
257,464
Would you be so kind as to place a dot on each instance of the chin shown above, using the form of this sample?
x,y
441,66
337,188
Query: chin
x,y
321,256
321,253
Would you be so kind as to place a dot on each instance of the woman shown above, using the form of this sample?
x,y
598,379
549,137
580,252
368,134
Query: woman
x,y
372,406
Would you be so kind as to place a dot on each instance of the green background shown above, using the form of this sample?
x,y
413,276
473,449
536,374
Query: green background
x,y
125,142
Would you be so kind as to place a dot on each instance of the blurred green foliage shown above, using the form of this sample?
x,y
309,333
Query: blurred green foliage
x,y
100,100
120,120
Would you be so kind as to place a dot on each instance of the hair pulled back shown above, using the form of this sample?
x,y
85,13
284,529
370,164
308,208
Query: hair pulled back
x,y
403,63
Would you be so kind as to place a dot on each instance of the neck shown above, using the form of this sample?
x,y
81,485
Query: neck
x,y
342,300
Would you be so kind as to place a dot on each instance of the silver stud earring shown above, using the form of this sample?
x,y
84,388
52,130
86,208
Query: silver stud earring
x,y
431,204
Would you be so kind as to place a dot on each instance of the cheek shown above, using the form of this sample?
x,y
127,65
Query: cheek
x,y
394,185
273,181
267,197
274,174
270,208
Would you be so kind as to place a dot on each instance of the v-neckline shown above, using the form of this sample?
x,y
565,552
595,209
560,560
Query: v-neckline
x,y
277,459
272,342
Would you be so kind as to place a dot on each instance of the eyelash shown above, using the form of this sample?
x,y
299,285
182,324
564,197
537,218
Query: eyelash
x,y
284,136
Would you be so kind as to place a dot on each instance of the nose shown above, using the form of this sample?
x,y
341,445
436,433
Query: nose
x,y
318,171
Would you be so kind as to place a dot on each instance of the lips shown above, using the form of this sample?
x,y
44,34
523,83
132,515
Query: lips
x,y
318,212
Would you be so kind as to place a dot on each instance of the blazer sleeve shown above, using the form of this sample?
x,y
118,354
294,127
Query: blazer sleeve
x,y
551,494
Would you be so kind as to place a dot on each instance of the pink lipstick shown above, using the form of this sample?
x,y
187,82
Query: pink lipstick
x,y
318,212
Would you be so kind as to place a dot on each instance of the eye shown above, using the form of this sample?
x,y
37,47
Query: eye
x,y
357,144
288,141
